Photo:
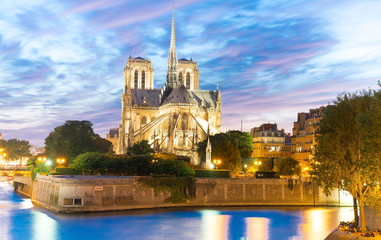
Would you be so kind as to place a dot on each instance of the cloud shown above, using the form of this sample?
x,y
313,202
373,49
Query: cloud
x,y
63,60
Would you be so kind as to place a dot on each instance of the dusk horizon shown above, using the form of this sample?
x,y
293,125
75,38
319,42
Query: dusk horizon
x,y
271,59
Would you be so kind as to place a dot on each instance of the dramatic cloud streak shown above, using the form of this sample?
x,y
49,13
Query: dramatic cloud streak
x,y
63,60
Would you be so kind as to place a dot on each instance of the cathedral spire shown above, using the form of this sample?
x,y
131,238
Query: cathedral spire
x,y
172,78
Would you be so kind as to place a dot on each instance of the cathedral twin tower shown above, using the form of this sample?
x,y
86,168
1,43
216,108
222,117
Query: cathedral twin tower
x,y
174,118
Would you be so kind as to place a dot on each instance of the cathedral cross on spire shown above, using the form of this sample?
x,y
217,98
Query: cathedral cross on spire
x,y
172,78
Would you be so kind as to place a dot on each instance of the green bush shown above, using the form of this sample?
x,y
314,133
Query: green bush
x,y
141,165
201,173
91,163
67,171
171,167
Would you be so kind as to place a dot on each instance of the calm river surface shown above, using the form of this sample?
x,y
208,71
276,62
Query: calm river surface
x,y
20,220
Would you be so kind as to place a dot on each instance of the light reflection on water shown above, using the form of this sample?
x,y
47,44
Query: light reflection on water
x,y
19,221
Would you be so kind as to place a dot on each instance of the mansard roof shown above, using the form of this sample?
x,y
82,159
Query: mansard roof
x,y
150,95
180,94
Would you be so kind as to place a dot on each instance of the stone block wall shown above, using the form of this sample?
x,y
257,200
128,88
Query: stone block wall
x,y
103,193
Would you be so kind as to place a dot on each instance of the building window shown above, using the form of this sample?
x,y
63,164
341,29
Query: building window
x,y
188,80
143,80
184,122
144,121
136,80
181,78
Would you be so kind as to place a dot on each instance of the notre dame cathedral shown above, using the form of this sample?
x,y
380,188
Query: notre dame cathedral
x,y
173,118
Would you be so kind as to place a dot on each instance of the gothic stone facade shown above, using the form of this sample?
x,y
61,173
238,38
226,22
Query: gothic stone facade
x,y
174,118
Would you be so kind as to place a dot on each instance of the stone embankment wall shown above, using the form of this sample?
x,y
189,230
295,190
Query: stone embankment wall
x,y
95,193
23,185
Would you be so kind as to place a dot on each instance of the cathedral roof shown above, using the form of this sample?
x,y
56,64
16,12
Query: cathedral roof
x,y
184,59
139,58
180,94
150,96
207,97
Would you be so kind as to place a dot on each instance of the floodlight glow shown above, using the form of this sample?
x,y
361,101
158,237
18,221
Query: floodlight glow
x,y
48,163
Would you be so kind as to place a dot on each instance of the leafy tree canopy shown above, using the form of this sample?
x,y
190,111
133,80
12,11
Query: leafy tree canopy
x,y
74,138
141,147
142,165
347,154
241,140
289,167
15,148
229,155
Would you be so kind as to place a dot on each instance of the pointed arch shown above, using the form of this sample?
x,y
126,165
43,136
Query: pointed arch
x,y
188,80
184,122
181,77
143,80
136,79
144,121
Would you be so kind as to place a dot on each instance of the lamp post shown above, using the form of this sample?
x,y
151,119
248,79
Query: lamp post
x,y
60,161
257,164
217,162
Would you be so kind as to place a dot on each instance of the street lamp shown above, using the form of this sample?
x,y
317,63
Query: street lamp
x,y
60,161
257,164
41,159
217,162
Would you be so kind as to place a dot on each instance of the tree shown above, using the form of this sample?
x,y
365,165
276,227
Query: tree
x,y
289,167
15,148
241,140
229,155
91,163
347,154
141,147
72,139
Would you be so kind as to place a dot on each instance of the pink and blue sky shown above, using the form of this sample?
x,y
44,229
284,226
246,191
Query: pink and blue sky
x,y
64,60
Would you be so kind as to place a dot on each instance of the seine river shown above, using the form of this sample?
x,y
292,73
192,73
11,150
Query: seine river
x,y
20,220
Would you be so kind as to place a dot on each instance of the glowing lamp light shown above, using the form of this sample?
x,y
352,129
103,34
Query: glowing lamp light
x,y
48,163
41,159
60,160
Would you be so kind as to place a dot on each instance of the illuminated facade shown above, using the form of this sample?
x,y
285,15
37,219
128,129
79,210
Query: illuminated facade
x,y
269,142
303,135
174,118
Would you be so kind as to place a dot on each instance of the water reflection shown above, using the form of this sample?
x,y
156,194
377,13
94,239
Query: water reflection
x,y
44,227
257,228
20,221
318,222
214,225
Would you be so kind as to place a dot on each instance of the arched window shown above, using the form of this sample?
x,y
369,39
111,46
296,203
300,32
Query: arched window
x,y
144,120
184,122
188,81
181,77
136,80
143,80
